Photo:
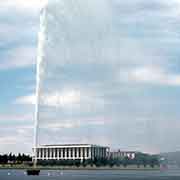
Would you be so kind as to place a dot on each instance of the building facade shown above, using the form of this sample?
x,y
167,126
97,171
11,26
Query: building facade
x,y
71,152
122,154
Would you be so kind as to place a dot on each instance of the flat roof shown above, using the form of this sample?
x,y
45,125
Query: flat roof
x,y
72,145
124,151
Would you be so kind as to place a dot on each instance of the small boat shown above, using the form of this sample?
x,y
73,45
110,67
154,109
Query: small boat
x,y
33,172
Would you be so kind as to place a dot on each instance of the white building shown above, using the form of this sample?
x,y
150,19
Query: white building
x,y
122,154
71,152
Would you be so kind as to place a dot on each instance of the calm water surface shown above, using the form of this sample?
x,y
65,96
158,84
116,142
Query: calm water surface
x,y
91,175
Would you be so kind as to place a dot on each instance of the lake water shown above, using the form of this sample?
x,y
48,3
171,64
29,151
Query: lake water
x,y
91,175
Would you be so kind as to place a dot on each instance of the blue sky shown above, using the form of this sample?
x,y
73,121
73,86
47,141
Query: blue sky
x,y
19,24
118,81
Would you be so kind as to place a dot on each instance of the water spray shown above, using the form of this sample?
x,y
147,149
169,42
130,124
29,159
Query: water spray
x,y
38,79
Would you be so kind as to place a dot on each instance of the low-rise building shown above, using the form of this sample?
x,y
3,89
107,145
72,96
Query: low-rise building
x,y
122,154
71,152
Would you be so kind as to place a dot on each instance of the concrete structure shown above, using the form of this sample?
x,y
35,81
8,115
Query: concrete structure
x,y
122,154
71,152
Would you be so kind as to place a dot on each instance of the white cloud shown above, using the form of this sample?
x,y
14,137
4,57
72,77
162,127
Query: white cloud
x,y
14,136
152,75
16,118
68,98
74,123
26,100
58,126
54,99
23,4
64,98
19,57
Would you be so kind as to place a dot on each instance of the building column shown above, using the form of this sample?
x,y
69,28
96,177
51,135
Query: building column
x,y
49,154
85,152
81,153
77,153
53,151
57,153
42,153
65,156
69,153
47,157
89,153
61,150
73,154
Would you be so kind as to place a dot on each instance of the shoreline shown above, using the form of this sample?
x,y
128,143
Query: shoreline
x,y
128,168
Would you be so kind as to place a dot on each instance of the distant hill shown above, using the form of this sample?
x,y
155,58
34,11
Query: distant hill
x,y
172,158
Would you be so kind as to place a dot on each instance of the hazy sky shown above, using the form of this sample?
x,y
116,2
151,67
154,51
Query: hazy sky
x,y
110,73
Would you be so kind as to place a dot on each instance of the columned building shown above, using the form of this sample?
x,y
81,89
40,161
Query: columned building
x,y
71,152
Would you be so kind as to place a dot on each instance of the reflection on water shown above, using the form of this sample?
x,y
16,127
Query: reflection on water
x,y
104,175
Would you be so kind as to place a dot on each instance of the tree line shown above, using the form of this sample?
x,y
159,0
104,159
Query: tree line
x,y
140,160
14,159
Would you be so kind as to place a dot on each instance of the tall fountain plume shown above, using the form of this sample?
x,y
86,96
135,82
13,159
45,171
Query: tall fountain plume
x,y
94,75
40,55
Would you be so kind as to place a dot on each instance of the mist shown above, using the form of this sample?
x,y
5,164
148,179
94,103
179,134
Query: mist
x,y
107,73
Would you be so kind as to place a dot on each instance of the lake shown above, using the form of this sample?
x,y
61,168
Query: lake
x,y
91,175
